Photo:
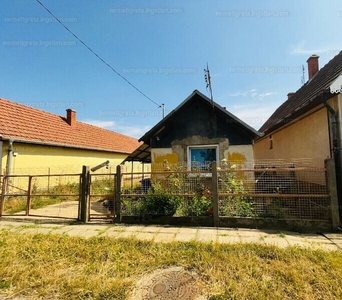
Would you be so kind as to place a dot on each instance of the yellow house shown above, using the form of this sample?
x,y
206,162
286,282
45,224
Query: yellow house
x,y
308,125
33,141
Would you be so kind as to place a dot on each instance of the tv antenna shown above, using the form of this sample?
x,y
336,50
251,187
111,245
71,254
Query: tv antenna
x,y
162,106
303,75
207,79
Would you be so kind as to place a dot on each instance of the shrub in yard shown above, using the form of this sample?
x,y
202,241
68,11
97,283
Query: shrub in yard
x,y
131,206
160,202
239,205
198,205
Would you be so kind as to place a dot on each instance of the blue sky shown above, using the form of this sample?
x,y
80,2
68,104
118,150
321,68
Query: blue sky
x,y
255,51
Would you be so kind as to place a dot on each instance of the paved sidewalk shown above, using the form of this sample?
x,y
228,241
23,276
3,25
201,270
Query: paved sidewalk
x,y
328,241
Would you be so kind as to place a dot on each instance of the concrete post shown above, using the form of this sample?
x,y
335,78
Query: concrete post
x,y
214,193
332,189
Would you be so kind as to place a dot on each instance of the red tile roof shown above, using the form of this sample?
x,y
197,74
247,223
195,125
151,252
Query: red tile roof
x,y
27,124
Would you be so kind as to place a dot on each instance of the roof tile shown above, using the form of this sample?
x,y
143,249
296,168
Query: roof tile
x,y
31,125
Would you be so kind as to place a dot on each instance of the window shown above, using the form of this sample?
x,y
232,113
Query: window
x,y
201,157
271,142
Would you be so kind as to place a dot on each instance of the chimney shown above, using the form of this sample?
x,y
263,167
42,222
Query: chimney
x,y
71,118
312,65
289,95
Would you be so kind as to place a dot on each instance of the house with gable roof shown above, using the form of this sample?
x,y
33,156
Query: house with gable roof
x,y
308,124
33,141
196,132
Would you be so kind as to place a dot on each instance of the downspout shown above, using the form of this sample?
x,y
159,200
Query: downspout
x,y
1,147
335,149
334,124
9,159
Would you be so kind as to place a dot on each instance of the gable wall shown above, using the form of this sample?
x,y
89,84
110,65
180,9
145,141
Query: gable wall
x,y
197,118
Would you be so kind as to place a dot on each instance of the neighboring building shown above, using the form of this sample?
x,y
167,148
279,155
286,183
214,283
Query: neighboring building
x,y
197,132
33,141
308,124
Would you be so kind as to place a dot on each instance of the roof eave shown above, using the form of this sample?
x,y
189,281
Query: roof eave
x,y
317,101
40,143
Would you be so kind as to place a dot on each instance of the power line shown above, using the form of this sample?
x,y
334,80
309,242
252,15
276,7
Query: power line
x,y
98,56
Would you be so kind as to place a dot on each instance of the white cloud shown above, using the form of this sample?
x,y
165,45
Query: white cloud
x,y
253,93
238,94
102,124
254,116
263,95
302,49
133,131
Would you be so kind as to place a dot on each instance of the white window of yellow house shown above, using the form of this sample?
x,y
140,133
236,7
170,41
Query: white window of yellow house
x,y
271,142
201,157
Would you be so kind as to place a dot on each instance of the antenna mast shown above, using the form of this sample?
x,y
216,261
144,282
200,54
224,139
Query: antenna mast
x,y
303,76
207,79
162,106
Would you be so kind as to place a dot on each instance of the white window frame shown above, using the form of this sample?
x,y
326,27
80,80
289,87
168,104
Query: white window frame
x,y
211,146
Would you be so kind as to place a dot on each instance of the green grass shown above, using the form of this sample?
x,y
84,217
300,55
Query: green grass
x,y
63,267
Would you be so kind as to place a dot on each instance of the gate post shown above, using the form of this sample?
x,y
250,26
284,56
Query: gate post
x,y
84,216
332,189
214,192
117,200
29,195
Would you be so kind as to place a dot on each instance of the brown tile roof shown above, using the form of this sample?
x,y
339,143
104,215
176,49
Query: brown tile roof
x,y
27,124
306,98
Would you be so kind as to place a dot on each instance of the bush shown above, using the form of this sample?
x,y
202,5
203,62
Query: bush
x,y
159,202
198,205
239,206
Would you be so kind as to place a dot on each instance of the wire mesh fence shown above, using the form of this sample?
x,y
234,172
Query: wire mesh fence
x,y
255,189
293,190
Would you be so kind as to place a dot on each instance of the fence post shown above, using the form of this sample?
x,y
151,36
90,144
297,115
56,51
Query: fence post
x,y
84,194
29,192
332,189
117,200
3,192
214,192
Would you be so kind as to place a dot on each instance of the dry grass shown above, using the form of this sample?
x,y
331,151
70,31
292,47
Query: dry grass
x,y
41,266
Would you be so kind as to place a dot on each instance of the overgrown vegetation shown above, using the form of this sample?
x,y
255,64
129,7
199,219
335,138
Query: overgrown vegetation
x,y
182,193
41,266
160,202
238,205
